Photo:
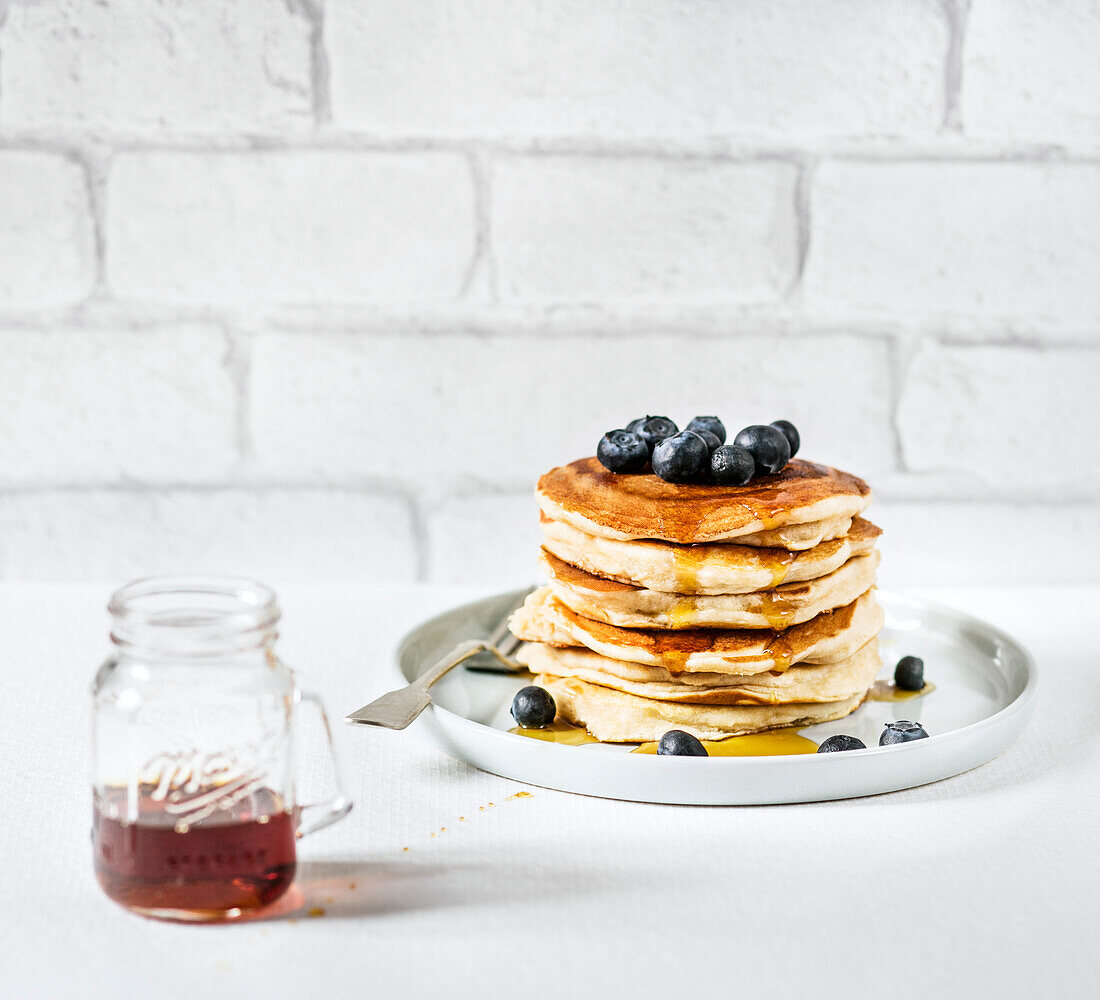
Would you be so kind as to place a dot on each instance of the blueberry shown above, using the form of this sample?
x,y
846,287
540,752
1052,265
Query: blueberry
x,y
677,743
711,439
653,430
731,465
712,424
909,673
790,432
835,743
533,707
680,458
768,446
635,424
901,732
622,451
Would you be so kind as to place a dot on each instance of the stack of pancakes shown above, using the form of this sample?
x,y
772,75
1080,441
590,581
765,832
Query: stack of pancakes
x,y
718,610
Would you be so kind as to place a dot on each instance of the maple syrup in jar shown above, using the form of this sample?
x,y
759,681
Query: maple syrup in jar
x,y
194,738
240,862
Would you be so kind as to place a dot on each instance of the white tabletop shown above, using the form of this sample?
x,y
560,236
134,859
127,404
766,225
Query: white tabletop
x,y
441,883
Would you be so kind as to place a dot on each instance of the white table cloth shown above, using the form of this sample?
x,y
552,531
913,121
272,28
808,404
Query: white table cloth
x,y
441,883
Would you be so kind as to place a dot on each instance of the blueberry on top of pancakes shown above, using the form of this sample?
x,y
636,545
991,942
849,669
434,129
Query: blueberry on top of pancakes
x,y
653,429
711,439
681,458
712,424
769,447
622,451
790,432
732,465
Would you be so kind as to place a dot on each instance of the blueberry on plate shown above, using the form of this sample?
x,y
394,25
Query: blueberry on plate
x,y
909,673
533,707
711,439
677,743
790,432
731,465
901,731
653,430
712,424
836,743
681,458
768,446
622,451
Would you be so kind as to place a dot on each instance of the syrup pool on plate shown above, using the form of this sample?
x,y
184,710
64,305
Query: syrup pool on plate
x,y
888,691
777,742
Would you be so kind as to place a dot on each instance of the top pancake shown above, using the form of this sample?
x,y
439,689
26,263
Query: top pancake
x,y
591,498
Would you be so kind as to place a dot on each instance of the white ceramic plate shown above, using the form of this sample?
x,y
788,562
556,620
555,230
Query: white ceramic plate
x,y
984,695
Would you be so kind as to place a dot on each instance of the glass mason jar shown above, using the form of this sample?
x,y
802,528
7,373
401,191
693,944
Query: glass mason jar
x,y
193,759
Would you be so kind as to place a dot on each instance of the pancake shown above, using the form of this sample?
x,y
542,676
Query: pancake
x,y
827,638
831,682
798,536
565,661
625,507
628,606
702,569
617,717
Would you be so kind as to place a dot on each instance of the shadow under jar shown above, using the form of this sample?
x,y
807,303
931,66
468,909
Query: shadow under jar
x,y
194,736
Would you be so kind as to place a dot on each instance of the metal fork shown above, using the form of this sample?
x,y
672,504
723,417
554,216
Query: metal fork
x,y
397,709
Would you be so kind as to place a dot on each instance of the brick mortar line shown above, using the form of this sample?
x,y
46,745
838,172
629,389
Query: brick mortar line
x,y
375,490
494,325
237,363
803,213
668,327
313,13
901,356
480,263
1014,499
956,13
955,148
95,162
1020,340
421,537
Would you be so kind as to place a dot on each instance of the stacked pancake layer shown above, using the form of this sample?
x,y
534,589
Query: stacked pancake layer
x,y
716,610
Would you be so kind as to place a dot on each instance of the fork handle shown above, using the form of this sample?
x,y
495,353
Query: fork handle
x,y
460,654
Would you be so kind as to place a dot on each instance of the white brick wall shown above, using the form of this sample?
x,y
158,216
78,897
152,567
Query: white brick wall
x,y
1006,241
110,405
590,229
1031,70
315,291
627,68
484,538
46,239
1020,421
297,227
135,66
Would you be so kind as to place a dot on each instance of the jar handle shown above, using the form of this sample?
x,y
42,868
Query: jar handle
x,y
317,815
